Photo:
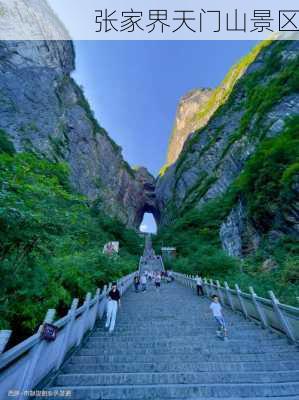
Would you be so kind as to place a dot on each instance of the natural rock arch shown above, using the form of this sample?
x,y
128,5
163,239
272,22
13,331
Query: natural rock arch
x,y
147,202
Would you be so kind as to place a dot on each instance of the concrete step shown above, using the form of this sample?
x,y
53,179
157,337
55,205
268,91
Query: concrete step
x,y
164,347
178,358
151,332
249,332
180,391
164,334
155,378
199,348
207,366
174,321
176,342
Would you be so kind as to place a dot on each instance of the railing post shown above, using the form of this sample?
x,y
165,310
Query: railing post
x,y
206,287
193,282
28,375
122,287
219,291
96,308
211,286
229,296
84,319
67,334
4,338
103,302
242,304
284,322
258,308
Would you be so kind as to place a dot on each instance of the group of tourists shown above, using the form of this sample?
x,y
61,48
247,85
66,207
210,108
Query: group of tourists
x,y
156,277
141,283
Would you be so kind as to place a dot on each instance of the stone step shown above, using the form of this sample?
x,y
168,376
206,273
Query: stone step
x,y
175,322
221,348
179,391
169,333
164,347
186,329
178,358
195,338
239,398
198,327
155,378
177,342
206,366
198,331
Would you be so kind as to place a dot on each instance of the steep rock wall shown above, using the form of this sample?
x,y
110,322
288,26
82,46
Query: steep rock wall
x,y
214,156
185,121
43,110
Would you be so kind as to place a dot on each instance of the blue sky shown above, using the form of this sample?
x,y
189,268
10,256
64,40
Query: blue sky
x,y
134,88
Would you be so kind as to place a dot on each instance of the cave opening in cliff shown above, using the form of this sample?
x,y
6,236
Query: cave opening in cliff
x,y
148,224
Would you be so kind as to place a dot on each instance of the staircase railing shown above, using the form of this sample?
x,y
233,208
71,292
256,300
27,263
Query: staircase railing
x,y
162,263
28,363
270,313
140,265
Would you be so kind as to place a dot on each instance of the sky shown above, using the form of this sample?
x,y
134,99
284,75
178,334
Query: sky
x,y
134,88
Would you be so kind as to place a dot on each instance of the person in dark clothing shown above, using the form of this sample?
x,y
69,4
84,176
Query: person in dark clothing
x,y
112,306
136,283
199,288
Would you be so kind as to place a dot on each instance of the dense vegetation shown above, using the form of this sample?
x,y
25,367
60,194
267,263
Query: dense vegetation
x,y
266,186
51,241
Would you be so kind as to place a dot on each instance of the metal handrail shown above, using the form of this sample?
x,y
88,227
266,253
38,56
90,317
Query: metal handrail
x,y
270,313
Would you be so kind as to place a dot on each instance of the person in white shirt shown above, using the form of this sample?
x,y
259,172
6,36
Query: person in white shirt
x,y
199,288
158,281
216,309
143,281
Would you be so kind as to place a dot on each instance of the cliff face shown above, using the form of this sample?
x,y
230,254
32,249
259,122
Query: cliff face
x,y
216,133
185,121
43,110
213,157
197,107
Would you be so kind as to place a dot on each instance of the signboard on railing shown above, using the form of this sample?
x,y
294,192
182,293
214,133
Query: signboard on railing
x,y
111,248
168,252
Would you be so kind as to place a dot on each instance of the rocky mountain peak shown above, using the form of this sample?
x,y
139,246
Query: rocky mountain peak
x,y
185,121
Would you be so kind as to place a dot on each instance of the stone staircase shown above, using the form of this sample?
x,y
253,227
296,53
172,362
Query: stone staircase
x,y
164,347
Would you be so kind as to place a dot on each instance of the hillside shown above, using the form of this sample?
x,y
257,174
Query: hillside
x,y
235,183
